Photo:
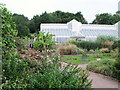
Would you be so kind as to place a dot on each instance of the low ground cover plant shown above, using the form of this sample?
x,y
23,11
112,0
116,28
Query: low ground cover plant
x,y
109,66
117,69
117,63
104,66
78,59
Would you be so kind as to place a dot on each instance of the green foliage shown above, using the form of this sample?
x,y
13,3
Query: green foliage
x,y
43,41
73,59
8,29
104,66
103,38
22,23
117,63
106,18
24,72
77,59
96,44
86,44
56,76
54,17
98,53
10,58
117,68
114,53
115,45
80,51
91,51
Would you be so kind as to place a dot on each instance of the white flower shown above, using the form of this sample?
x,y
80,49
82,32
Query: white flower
x,y
98,59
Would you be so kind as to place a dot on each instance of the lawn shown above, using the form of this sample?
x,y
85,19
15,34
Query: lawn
x,y
78,59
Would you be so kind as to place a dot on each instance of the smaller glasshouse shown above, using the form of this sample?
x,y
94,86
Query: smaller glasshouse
x,y
76,30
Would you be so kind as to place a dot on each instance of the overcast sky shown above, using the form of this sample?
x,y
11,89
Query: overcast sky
x,y
89,8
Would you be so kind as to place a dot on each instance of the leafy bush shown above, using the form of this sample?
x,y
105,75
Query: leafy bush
x,y
13,67
67,49
95,44
117,63
103,38
91,51
117,69
115,45
56,76
86,44
98,53
81,51
43,41
114,53
103,66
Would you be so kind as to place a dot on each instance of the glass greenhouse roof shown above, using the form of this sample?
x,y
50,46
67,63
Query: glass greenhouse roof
x,y
59,32
95,32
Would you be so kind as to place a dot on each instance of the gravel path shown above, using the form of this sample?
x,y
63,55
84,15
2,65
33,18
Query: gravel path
x,y
99,80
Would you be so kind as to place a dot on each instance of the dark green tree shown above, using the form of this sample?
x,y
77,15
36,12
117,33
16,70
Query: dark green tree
x,y
106,18
45,18
115,18
34,24
80,18
54,17
22,23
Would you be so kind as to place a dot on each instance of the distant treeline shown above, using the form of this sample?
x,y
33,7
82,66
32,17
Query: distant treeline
x,y
26,26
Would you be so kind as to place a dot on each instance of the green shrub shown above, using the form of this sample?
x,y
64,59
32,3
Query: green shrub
x,y
43,41
114,53
103,66
91,51
117,63
14,69
86,44
81,51
117,69
115,45
103,38
92,44
56,76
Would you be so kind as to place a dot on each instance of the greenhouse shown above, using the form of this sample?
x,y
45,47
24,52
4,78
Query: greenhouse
x,y
77,30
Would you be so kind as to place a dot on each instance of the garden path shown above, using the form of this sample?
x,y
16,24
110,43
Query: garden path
x,y
99,80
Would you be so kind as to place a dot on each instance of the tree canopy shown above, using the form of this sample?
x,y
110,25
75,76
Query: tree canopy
x,y
26,26
54,17
22,23
106,18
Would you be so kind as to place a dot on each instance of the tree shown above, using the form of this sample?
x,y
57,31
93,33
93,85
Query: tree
x,y
118,12
106,18
115,18
80,18
34,24
45,18
54,17
22,23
